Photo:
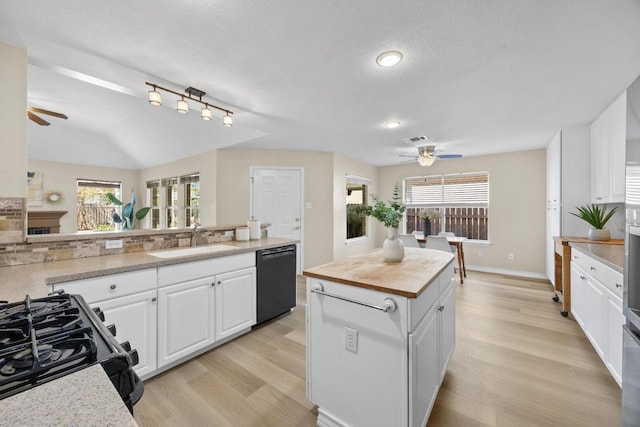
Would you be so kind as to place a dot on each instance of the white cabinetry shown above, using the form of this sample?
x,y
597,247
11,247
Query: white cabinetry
x,y
128,300
203,302
608,132
399,358
235,302
186,321
567,178
596,304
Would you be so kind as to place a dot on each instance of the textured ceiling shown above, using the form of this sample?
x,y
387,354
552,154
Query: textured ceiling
x,y
477,77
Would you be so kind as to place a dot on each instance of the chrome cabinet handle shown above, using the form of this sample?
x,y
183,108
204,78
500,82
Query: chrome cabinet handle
x,y
618,286
154,299
583,278
112,287
441,308
389,306
592,268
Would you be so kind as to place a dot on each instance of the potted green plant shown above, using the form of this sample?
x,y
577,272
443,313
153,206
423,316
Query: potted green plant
x,y
597,217
390,216
127,211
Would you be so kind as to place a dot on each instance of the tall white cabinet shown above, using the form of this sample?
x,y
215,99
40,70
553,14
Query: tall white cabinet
x,y
608,133
568,178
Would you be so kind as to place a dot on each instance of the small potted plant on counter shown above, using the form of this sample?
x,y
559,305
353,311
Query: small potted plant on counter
x,y
597,217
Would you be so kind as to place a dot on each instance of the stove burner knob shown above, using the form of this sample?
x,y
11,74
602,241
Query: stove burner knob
x,y
134,357
112,329
99,312
126,345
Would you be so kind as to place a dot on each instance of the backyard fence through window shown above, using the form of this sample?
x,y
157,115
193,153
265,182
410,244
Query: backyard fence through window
x,y
457,203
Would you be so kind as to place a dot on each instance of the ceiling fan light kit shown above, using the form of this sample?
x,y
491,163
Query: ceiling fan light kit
x,y
182,106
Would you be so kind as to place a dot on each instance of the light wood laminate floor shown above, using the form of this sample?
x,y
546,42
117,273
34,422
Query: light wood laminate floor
x,y
517,363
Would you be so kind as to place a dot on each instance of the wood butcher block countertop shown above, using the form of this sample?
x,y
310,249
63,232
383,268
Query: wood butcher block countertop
x,y
408,278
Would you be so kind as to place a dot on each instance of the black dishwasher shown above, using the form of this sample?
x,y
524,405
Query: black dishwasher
x,y
276,287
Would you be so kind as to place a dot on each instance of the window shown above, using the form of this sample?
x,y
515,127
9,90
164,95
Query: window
x,y
95,210
461,202
357,190
174,201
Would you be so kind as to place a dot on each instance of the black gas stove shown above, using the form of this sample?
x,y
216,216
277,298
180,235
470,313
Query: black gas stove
x,y
46,338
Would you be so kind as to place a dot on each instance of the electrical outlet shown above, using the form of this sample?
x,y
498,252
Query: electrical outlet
x,y
228,233
511,256
480,253
350,339
113,244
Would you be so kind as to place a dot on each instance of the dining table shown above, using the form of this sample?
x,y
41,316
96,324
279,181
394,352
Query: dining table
x,y
456,241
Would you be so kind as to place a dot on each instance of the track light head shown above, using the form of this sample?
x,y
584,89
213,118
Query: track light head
x,y
182,106
206,114
227,120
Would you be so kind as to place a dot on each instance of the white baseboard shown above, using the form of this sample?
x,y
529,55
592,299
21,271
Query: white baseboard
x,y
505,272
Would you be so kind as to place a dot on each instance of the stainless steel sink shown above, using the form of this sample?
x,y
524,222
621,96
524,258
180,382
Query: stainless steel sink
x,y
198,250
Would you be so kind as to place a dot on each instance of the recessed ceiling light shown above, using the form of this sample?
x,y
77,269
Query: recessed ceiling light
x,y
389,59
392,125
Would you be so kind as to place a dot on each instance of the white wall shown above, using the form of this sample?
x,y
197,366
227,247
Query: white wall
x,y
516,206
62,177
13,124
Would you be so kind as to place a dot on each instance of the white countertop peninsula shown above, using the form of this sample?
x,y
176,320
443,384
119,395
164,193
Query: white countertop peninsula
x,y
380,336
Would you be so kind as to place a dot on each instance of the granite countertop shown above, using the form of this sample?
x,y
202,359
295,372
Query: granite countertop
x,y
610,255
32,279
83,398
408,278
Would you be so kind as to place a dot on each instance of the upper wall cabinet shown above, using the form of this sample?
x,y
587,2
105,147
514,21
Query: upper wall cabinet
x,y
608,153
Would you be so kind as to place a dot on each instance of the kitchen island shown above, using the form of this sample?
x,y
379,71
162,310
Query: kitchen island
x,y
380,336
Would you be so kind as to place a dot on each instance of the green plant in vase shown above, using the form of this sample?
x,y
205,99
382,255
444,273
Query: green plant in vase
x,y
127,211
597,217
390,216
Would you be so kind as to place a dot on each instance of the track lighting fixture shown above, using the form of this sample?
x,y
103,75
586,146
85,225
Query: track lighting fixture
x,y
182,107
227,120
154,97
206,114
191,94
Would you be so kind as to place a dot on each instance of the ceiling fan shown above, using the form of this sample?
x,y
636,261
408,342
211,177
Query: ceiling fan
x,y
427,155
31,114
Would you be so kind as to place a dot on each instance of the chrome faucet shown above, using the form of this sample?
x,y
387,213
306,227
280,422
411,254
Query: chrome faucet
x,y
197,229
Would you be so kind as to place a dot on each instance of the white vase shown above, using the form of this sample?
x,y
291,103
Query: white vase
x,y
392,247
599,235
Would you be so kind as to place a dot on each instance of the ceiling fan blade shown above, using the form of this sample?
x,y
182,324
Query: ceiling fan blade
x,y
37,119
449,156
50,113
407,155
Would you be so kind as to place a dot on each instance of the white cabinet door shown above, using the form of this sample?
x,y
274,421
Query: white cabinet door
x,y
447,328
615,320
578,302
186,319
424,367
617,150
594,314
135,319
599,160
235,299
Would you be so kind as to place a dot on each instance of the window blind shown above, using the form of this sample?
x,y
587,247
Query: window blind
x,y
467,189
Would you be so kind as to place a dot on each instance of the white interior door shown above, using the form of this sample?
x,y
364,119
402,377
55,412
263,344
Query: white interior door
x,y
276,198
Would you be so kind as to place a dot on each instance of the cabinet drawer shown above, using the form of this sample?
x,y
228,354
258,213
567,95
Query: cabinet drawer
x,y
604,274
101,288
184,272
